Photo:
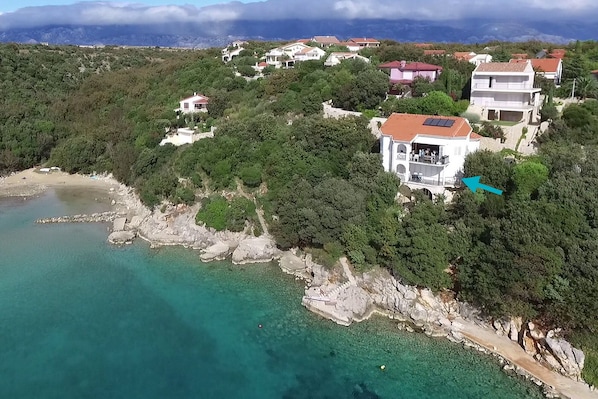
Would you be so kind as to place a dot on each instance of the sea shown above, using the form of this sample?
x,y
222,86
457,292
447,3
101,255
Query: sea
x,y
82,319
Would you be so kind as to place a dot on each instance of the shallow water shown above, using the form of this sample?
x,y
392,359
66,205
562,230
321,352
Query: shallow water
x,y
82,319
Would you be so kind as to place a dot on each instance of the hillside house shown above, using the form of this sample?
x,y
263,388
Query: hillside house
x,y
195,103
505,91
365,42
427,152
549,68
232,50
325,41
435,53
287,55
353,47
404,73
475,59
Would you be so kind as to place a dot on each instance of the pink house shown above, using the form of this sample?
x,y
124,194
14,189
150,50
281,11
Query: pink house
x,y
404,73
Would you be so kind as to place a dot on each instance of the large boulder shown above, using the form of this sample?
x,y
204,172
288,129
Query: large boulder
x,y
121,237
571,359
218,251
255,250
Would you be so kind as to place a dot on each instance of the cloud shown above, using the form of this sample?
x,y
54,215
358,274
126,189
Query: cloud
x,y
110,13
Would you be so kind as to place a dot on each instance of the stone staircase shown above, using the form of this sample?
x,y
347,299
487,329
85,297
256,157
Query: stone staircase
x,y
334,293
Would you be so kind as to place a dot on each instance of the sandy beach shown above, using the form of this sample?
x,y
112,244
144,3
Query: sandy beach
x,y
31,182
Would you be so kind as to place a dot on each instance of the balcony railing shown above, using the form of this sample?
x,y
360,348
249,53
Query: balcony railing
x,y
432,180
429,159
503,86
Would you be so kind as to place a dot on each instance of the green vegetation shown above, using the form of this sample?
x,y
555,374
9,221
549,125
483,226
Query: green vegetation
x,y
218,213
529,252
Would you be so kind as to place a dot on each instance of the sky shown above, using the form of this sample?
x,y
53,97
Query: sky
x,y
139,12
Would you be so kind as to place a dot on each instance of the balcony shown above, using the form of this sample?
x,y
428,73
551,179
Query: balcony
x,y
514,87
418,179
434,160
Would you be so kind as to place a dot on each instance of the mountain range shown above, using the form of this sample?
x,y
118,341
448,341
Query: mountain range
x,y
196,36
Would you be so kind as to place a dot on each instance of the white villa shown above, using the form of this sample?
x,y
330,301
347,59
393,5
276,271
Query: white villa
x,y
287,55
195,103
505,91
427,152
475,59
336,58
549,68
233,50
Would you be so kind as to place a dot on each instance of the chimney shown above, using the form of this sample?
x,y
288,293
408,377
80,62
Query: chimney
x,y
403,63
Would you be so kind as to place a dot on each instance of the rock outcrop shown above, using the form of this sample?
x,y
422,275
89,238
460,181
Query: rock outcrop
x,y
333,295
255,250
218,251
121,237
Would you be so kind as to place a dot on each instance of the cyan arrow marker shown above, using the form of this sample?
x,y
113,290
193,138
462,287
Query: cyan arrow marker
x,y
474,183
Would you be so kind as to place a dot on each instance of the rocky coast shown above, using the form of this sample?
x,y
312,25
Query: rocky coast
x,y
337,294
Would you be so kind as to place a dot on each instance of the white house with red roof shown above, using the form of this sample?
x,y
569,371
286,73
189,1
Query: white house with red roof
x,y
505,91
232,50
404,72
336,58
351,46
426,151
195,103
549,68
325,41
286,56
365,41
475,59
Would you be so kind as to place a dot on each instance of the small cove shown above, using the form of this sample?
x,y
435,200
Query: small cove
x,y
82,319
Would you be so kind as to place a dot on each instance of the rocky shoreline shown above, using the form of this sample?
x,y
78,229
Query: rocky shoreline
x,y
344,298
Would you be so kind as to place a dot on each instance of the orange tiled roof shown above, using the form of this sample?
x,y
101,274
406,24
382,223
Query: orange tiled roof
x,y
463,55
542,64
405,127
520,55
502,67
363,40
423,45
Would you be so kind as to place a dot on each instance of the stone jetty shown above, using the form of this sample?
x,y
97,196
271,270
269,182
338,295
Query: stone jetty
x,y
102,217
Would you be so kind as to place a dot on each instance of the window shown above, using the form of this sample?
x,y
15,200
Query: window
x,y
198,106
490,82
457,150
186,105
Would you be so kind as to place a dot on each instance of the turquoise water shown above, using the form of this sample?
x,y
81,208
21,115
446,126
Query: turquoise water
x,y
82,319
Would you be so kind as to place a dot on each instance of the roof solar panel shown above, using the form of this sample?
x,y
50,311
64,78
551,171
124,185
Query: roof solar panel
x,y
435,122
427,121
450,122
445,122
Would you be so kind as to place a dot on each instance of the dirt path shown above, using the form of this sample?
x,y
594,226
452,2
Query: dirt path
x,y
258,211
515,354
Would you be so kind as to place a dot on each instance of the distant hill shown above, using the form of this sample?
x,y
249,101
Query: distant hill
x,y
181,35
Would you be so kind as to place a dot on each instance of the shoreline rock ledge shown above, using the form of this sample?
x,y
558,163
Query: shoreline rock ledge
x,y
336,294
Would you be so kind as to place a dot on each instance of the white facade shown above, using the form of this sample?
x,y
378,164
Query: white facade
x,y
287,55
313,53
478,59
196,103
336,58
505,91
427,160
185,136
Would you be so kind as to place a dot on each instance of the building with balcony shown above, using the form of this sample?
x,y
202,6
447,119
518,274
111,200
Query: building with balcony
x,y
195,103
548,68
505,91
287,55
427,152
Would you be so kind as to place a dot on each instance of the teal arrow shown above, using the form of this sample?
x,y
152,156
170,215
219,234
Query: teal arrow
x,y
474,183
